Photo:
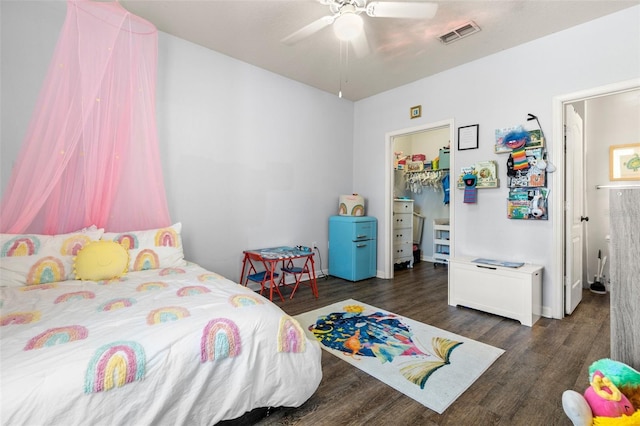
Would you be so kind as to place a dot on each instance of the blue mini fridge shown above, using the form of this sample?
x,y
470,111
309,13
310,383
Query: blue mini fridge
x,y
352,247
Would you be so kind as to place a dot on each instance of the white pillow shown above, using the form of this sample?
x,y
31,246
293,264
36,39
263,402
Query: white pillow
x,y
29,259
153,248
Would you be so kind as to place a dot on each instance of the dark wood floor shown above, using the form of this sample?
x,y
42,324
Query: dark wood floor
x,y
523,387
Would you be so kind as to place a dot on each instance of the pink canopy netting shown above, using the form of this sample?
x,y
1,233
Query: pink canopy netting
x,y
90,155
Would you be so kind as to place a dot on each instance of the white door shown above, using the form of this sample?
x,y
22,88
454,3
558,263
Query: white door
x,y
574,211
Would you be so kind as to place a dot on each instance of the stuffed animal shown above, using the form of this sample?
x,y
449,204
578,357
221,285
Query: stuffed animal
x,y
609,400
516,140
605,399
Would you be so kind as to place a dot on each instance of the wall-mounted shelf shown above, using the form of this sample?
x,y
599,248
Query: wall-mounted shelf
x,y
486,175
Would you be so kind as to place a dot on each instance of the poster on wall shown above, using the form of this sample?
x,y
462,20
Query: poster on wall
x,y
624,162
468,137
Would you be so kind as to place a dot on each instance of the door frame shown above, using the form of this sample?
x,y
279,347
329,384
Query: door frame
x,y
388,270
558,181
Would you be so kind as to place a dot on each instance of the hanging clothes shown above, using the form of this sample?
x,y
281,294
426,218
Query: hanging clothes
x,y
445,187
90,155
416,181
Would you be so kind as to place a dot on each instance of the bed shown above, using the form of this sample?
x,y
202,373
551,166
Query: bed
x,y
167,342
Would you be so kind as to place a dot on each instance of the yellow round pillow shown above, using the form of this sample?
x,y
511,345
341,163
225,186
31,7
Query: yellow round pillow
x,y
101,260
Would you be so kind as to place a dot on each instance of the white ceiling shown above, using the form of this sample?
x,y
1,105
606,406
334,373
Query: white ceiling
x,y
402,50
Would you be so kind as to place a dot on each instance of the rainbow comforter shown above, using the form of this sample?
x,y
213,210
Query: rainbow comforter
x,y
166,346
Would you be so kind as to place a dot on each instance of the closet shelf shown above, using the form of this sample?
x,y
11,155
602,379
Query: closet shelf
x,y
441,241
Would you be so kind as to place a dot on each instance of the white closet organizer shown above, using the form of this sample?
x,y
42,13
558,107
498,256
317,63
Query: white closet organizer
x,y
441,241
403,232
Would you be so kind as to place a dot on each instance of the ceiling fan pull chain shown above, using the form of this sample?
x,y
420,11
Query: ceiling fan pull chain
x,y
346,69
340,73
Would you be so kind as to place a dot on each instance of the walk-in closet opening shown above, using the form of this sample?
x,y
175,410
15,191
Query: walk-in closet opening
x,y
420,198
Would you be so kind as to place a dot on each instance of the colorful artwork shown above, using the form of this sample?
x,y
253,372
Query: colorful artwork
x,y
166,314
22,245
72,245
171,271
220,339
58,335
18,318
46,270
383,336
145,260
128,241
115,365
290,336
624,162
192,290
39,287
115,304
242,300
633,162
152,285
167,237
209,277
76,295
110,281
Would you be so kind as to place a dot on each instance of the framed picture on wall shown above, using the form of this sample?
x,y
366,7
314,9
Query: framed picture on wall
x,y
468,137
624,162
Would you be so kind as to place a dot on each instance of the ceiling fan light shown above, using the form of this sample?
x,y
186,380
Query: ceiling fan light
x,y
347,26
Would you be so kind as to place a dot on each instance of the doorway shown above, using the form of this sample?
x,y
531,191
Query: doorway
x,y
590,106
442,129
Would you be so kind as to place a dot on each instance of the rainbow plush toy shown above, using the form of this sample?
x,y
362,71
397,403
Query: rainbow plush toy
x,y
605,399
610,399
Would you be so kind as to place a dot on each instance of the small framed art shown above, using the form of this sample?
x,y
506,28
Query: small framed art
x,y
624,162
468,137
415,111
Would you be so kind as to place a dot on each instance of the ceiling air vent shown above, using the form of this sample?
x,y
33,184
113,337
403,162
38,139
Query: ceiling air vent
x,y
462,31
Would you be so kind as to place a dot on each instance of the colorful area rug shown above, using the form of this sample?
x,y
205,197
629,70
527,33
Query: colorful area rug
x,y
430,365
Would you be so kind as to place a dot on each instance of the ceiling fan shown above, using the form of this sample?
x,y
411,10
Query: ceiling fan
x,y
348,24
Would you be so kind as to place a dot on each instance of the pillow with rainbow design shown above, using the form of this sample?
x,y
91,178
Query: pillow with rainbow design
x,y
153,248
30,259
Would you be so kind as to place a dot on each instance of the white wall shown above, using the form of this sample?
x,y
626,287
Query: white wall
x,y
250,159
29,31
495,92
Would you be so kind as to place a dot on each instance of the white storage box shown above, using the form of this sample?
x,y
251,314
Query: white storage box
x,y
510,292
351,205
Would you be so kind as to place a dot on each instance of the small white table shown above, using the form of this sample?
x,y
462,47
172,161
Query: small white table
x,y
510,292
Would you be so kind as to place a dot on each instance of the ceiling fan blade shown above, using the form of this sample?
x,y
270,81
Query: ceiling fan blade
x,y
399,9
308,30
360,45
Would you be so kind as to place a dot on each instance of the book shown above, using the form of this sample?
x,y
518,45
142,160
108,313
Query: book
x,y
494,262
